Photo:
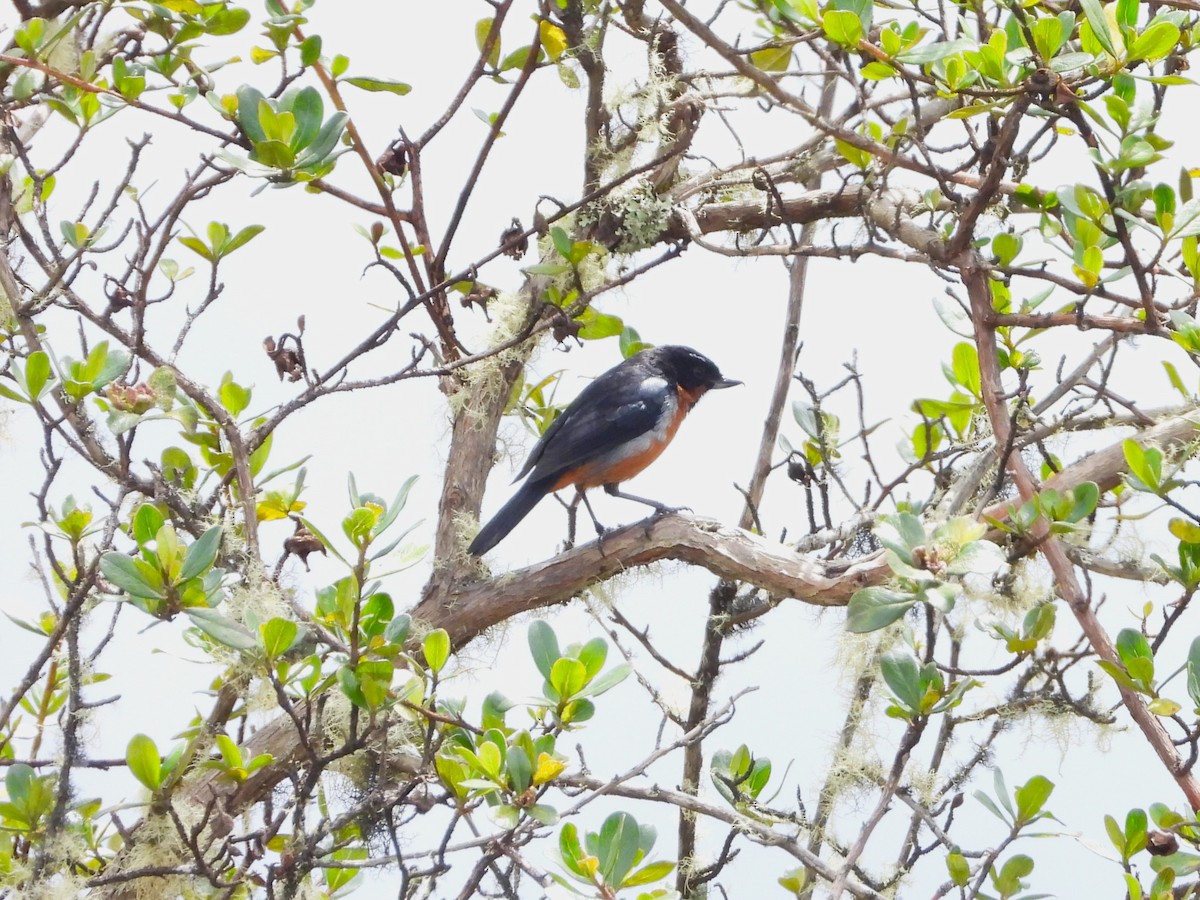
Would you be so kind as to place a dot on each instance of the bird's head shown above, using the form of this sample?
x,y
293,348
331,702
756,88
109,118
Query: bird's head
x,y
694,372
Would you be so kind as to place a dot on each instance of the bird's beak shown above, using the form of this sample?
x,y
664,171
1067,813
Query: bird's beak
x,y
725,383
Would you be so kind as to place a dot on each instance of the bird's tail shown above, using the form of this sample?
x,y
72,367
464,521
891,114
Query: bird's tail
x,y
510,514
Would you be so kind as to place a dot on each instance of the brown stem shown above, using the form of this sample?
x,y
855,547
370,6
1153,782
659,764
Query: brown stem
x,y
693,759
1069,588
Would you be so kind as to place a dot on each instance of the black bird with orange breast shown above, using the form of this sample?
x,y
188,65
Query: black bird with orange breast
x,y
617,426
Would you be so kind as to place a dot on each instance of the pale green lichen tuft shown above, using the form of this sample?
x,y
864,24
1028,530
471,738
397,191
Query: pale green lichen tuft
x,y
647,107
255,601
335,718
484,379
8,321
854,771
157,846
1030,585
592,270
926,786
640,214
645,216
66,886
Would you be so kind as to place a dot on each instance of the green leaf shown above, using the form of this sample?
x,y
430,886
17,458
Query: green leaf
x,y
520,768
1032,796
842,27
794,880
1008,881
376,614
1115,835
37,374
909,529
518,58
877,71
1162,706
571,850
1156,42
10,394
1187,531
551,269
124,574
278,636
608,680
1047,36
144,761
875,607
1136,656
617,847
649,873
903,677
965,364
562,241
543,644
20,782
146,523
568,677
277,123
631,343
1085,497
1145,465
197,246
592,655
934,52
483,30
1193,672
231,753
772,59
855,155
249,103
1136,832
310,50
397,629
202,554
232,395
960,871
1098,23
274,153
1117,674
376,85
309,111
436,648
541,812
1006,246
598,325
326,140
221,629
242,238
396,505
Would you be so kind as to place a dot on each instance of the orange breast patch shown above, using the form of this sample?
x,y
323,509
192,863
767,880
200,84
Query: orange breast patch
x,y
615,471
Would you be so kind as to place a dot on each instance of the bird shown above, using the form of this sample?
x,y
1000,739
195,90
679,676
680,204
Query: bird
x,y
617,426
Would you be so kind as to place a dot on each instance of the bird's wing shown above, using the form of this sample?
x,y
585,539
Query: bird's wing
x,y
615,408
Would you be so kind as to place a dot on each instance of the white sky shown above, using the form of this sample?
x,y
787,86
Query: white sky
x,y
308,262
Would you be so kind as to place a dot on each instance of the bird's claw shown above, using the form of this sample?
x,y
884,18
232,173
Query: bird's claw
x,y
660,511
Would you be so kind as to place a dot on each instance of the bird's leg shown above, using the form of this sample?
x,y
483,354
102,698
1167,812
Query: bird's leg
x,y
600,529
660,509
572,510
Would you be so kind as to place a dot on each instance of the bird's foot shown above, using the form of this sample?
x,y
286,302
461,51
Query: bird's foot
x,y
664,510
601,533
